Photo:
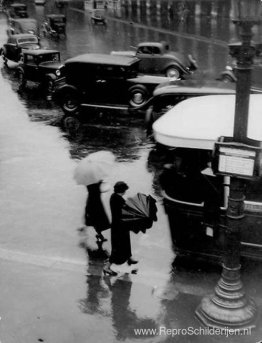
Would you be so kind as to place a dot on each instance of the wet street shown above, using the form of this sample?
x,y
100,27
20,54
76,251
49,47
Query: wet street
x,y
52,286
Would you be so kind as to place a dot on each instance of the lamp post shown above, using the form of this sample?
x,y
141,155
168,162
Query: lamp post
x,y
229,307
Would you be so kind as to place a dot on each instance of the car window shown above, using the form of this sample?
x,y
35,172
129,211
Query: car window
x,y
27,40
155,50
48,58
59,20
107,71
145,50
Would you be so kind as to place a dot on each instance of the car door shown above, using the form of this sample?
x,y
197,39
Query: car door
x,y
31,67
149,59
11,48
110,85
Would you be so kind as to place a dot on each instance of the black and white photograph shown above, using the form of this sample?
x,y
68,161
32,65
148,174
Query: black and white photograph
x,y
130,171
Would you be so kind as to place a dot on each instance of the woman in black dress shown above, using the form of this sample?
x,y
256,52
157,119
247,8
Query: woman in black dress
x,y
95,214
120,236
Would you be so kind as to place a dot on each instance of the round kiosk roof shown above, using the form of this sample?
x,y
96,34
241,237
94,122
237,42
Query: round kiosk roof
x,y
198,122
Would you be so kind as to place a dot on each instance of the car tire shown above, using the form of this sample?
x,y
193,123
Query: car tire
x,y
137,95
70,102
173,73
71,124
21,80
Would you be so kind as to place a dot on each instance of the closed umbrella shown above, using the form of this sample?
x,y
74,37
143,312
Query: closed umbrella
x,y
94,168
139,212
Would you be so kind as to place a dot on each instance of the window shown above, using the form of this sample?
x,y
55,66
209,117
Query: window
x,y
145,50
27,40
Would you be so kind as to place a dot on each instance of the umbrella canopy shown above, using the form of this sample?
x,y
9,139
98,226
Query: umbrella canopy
x,y
94,168
139,212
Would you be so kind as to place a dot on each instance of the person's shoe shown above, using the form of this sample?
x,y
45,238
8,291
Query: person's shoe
x,y
131,261
110,272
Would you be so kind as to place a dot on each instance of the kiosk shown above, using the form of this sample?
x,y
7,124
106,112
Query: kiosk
x,y
195,198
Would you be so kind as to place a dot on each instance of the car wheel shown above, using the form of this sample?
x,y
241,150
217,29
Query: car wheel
x,y
21,79
173,73
227,79
71,124
70,102
138,95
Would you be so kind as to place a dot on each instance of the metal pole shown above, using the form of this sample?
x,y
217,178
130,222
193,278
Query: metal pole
x,y
229,307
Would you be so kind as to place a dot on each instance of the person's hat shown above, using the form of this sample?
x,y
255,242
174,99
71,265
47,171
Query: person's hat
x,y
120,187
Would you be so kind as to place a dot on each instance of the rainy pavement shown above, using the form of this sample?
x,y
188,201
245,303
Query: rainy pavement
x,y
52,285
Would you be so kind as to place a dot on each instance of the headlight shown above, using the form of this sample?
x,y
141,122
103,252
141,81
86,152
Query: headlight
x,y
58,72
229,68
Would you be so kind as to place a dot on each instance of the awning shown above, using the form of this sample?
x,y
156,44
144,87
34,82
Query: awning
x,y
198,122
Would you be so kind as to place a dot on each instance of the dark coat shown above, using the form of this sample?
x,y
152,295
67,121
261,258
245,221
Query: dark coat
x,y
95,214
120,236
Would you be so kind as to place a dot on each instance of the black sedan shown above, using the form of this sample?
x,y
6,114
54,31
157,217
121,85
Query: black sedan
x,y
13,49
104,81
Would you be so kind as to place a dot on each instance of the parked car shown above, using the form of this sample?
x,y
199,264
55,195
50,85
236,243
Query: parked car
x,y
54,25
104,81
42,66
98,17
167,95
17,44
156,58
17,10
23,25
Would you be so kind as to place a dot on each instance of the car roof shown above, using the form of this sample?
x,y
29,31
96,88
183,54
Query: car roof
x,y
188,87
17,4
55,16
158,44
198,122
23,35
103,59
40,52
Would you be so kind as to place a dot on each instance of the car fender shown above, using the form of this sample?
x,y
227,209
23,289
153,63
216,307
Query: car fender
x,y
229,73
51,76
176,65
58,93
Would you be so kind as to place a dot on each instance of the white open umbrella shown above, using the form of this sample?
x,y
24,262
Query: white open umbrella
x,y
94,168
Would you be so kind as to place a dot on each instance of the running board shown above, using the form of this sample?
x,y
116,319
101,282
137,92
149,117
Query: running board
x,y
109,107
